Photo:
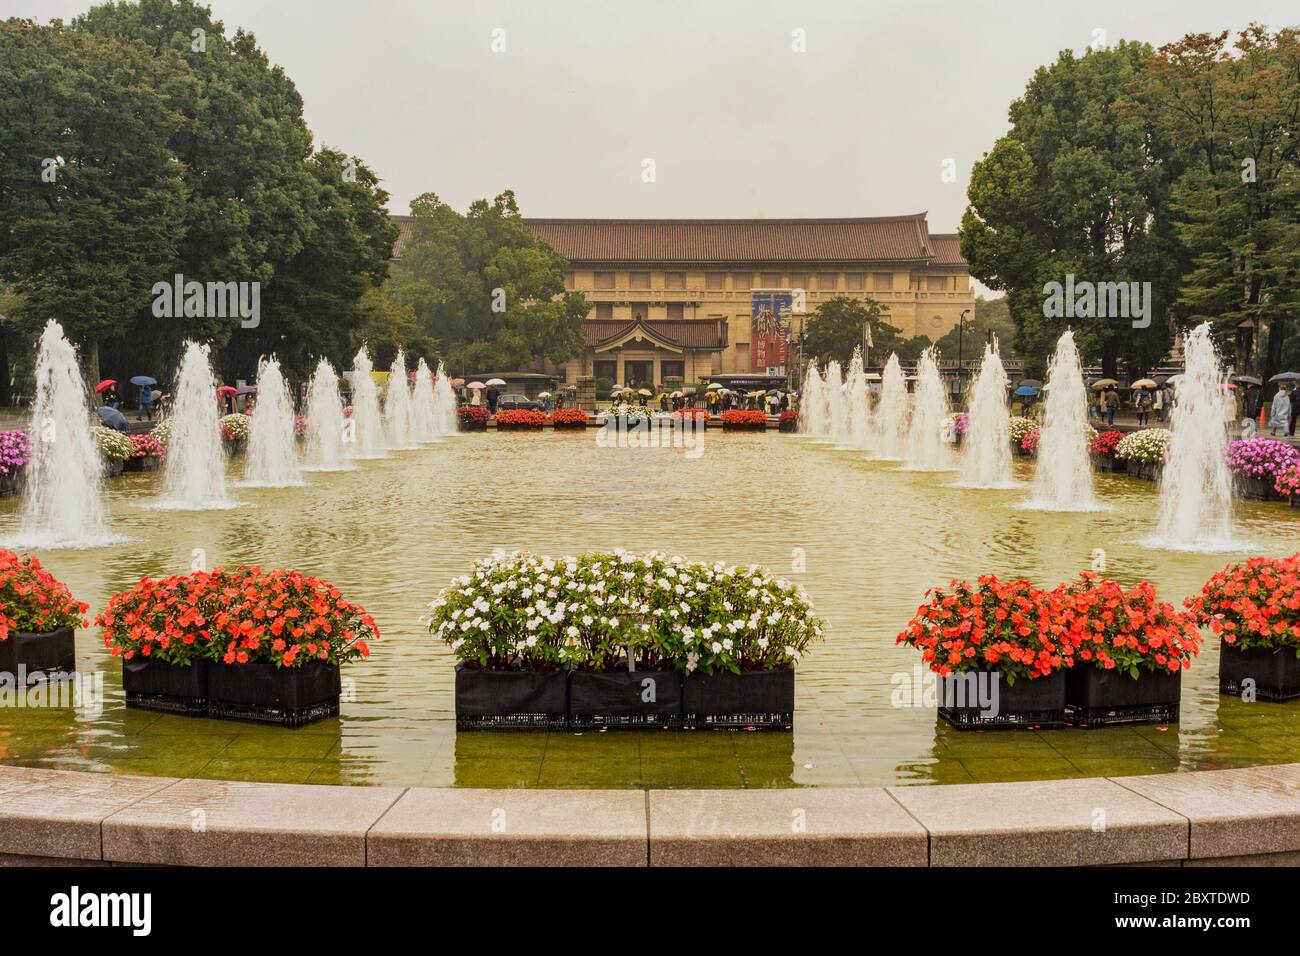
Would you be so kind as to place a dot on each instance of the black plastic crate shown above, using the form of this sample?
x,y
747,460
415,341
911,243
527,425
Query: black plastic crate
x,y
38,657
1257,489
726,701
1276,672
1037,704
511,700
151,684
263,693
618,699
1108,698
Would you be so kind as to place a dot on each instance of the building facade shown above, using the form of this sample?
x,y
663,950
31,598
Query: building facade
x,y
676,301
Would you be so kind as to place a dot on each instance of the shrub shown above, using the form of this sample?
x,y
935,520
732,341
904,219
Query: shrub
x,y
1147,446
1105,443
521,418
147,446
1253,604
1288,481
960,422
163,432
704,413
1261,458
15,452
237,616
1030,442
747,417
472,413
568,416
32,600
112,444
789,416
1129,630
1020,427
234,427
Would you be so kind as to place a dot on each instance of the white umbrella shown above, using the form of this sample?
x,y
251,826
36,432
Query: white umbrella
x,y
495,381
543,394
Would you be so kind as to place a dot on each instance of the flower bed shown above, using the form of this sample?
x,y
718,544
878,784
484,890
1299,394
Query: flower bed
x,y
1254,609
1287,484
512,419
698,418
472,418
234,432
653,627
1029,444
735,419
162,432
958,424
1143,452
242,644
1020,428
146,453
788,422
114,448
1102,450
15,453
568,418
38,618
1256,463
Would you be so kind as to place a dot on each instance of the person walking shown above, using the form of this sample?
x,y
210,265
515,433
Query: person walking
x,y
146,404
1158,404
493,396
1143,407
1279,415
1109,404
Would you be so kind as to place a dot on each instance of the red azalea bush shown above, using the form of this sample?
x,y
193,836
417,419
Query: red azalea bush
x,y
692,413
1105,442
789,416
1129,630
237,616
32,600
566,416
1029,443
472,413
1288,482
1010,627
735,416
1253,604
147,446
521,417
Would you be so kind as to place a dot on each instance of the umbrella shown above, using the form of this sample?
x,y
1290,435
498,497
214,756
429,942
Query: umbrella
x,y
1143,383
1174,379
143,380
1026,390
1285,377
543,394
246,390
713,386
476,385
113,418
496,381
1249,380
1032,383
226,390
105,384
1105,383
774,391
644,391
675,395
457,382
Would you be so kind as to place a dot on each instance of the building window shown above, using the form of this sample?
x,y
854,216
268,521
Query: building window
x,y
675,370
854,281
826,280
604,280
882,281
936,283
606,370
742,280
568,280
604,310
798,280
638,280
715,280
674,280
676,310
771,280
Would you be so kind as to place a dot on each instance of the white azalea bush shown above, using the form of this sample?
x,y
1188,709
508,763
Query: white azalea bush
x,y
112,444
1146,446
1020,427
235,426
163,431
592,612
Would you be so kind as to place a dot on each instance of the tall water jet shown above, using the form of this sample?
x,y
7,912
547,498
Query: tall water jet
x,y
859,409
1063,478
813,414
891,412
424,405
1195,512
927,449
365,430
837,405
324,447
194,471
272,447
62,507
398,419
987,459
444,408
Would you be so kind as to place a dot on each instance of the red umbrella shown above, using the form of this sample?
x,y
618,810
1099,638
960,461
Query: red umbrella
x,y
106,383
226,390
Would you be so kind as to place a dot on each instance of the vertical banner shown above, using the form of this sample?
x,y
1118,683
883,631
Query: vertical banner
x,y
770,316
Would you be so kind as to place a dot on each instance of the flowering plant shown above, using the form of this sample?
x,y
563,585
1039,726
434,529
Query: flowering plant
x,y
1147,446
628,413
530,612
163,432
521,417
237,616
112,444
1253,604
1030,442
704,413
1288,481
1020,427
299,427
234,427
1105,443
147,446
1113,628
960,422
15,451
1261,457
1010,627
472,413
32,600
787,416
736,416
568,416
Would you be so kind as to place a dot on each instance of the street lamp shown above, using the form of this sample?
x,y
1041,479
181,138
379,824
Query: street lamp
x,y
961,328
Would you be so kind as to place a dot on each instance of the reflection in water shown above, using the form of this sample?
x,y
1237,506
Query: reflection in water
x,y
872,539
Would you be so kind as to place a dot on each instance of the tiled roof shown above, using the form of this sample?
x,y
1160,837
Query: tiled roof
x,y
684,333
686,241
947,249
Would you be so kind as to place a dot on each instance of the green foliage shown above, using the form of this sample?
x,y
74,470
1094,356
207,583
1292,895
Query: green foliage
x,y
837,328
991,316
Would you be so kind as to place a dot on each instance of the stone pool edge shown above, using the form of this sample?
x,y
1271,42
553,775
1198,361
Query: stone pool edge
x,y
1194,818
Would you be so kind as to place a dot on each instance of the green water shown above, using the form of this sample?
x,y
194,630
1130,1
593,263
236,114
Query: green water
x,y
869,539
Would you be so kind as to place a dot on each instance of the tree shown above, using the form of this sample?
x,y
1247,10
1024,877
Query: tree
x,y
488,289
91,200
1078,188
839,326
992,317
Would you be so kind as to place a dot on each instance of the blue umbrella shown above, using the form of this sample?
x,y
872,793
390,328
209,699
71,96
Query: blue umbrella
x,y
144,380
1026,390
113,418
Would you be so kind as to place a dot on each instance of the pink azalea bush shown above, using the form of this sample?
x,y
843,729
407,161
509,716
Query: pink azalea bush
x,y
1261,458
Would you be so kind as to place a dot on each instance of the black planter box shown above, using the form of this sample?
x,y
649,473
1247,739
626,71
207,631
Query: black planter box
x,y
1106,464
617,699
157,685
266,694
519,427
1257,489
1276,673
33,658
1146,470
561,426
472,426
1104,698
10,484
790,426
760,699
1037,704
511,700
113,467
744,427
142,463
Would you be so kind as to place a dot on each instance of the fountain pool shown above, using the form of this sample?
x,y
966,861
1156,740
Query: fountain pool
x,y
872,538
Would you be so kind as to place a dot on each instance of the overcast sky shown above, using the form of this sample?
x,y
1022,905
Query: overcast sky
x,y
737,123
